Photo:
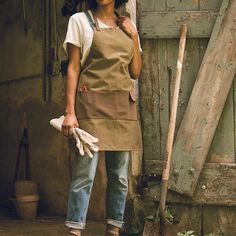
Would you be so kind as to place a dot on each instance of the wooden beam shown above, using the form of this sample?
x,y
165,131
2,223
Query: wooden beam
x,y
216,28
205,106
216,186
167,24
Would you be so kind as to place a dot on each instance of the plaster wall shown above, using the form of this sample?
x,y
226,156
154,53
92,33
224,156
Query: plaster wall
x,y
22,63
21,92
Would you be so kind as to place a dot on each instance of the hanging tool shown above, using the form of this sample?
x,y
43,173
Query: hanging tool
x,y
24,17
46,44
163,227
23,145
55,65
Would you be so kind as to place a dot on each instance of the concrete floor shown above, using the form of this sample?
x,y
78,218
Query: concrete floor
x,y
44,226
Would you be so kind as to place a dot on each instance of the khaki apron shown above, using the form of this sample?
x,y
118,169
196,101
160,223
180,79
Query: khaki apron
x,y
106,103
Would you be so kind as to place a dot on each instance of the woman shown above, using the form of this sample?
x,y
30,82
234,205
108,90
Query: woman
x,y
104,54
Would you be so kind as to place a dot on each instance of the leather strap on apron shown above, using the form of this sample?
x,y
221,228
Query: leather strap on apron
x,y
90,20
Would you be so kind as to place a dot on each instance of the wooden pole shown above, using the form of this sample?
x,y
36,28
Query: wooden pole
x,y
171,129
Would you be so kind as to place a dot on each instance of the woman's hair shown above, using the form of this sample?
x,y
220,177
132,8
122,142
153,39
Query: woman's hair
x,y
118,3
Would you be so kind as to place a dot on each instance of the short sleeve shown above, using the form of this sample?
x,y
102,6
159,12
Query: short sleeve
x,y
74,34
140,48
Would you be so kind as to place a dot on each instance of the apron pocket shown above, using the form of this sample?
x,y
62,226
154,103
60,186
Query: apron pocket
x,y
116,105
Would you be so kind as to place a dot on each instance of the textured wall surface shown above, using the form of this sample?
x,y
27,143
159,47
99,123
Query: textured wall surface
x,y
21,92
21,59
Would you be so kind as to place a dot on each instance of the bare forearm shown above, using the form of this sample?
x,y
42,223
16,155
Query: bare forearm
x,y
71,88
136,63
73,72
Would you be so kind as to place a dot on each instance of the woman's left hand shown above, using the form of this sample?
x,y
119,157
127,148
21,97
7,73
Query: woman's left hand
x,y
127,26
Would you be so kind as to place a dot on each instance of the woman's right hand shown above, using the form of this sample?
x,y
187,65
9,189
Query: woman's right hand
x,y
68,124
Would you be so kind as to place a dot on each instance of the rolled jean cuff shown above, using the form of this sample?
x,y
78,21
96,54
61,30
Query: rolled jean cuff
x,y
115,223
75,225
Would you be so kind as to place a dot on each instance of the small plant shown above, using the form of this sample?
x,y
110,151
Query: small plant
x,y
186,233
169,215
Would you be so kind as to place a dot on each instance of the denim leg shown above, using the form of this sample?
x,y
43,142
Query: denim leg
x,y
83,173
117,163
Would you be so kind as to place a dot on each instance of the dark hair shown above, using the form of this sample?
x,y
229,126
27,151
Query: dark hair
x,y
118,3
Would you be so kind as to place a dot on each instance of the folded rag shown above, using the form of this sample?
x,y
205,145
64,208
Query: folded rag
x,y
85,142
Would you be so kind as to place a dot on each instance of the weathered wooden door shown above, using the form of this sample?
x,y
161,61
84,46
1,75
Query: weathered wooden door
x,y
159,24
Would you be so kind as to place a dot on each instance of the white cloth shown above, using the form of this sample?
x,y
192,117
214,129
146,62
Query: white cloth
x,y
85,142
80,34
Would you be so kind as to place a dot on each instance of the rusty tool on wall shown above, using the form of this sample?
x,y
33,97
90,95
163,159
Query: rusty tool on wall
x,y
162,226
24,17
25,167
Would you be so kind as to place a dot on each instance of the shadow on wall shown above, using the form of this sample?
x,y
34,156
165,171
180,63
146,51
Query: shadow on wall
x,y
49,164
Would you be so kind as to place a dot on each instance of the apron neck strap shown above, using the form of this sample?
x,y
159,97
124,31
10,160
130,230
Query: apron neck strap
x,y
94,23
90,20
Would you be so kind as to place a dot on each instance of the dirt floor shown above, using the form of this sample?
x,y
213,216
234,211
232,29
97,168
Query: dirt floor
x,y
43,226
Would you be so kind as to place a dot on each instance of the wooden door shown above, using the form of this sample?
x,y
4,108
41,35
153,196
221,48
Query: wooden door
x,y
159,25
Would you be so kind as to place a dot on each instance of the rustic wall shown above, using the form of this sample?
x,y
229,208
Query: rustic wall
x,y
22,63
21,92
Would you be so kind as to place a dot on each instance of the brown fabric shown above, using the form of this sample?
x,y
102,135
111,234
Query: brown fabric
x,y
106,67
119,135
108,105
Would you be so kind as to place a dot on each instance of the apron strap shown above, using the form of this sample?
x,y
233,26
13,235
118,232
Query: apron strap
x,y
94,23
90,20
117,13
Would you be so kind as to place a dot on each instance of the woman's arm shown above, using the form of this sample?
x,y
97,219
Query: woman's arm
x,y
136,63
73,72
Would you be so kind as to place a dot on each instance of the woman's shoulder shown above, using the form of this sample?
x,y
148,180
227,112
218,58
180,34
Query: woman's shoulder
x,y
79,16
80,20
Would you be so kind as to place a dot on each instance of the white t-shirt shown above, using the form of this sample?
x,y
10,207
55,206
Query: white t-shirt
x,y
80,34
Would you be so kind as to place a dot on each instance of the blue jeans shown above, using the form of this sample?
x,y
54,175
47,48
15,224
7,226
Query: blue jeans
x,y
83,173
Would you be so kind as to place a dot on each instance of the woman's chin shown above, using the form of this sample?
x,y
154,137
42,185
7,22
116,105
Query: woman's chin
x,y
104,2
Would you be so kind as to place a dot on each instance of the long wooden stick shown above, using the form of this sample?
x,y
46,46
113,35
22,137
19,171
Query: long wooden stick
x,y
172,122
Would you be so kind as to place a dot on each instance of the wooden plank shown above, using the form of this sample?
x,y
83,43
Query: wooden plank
x,y
173,5
164,79
202,48
190,69
190,217
219,220
167,24
216,29
222,147
210,5
149,100
205,106
152,5
217,185
172,54
234,97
